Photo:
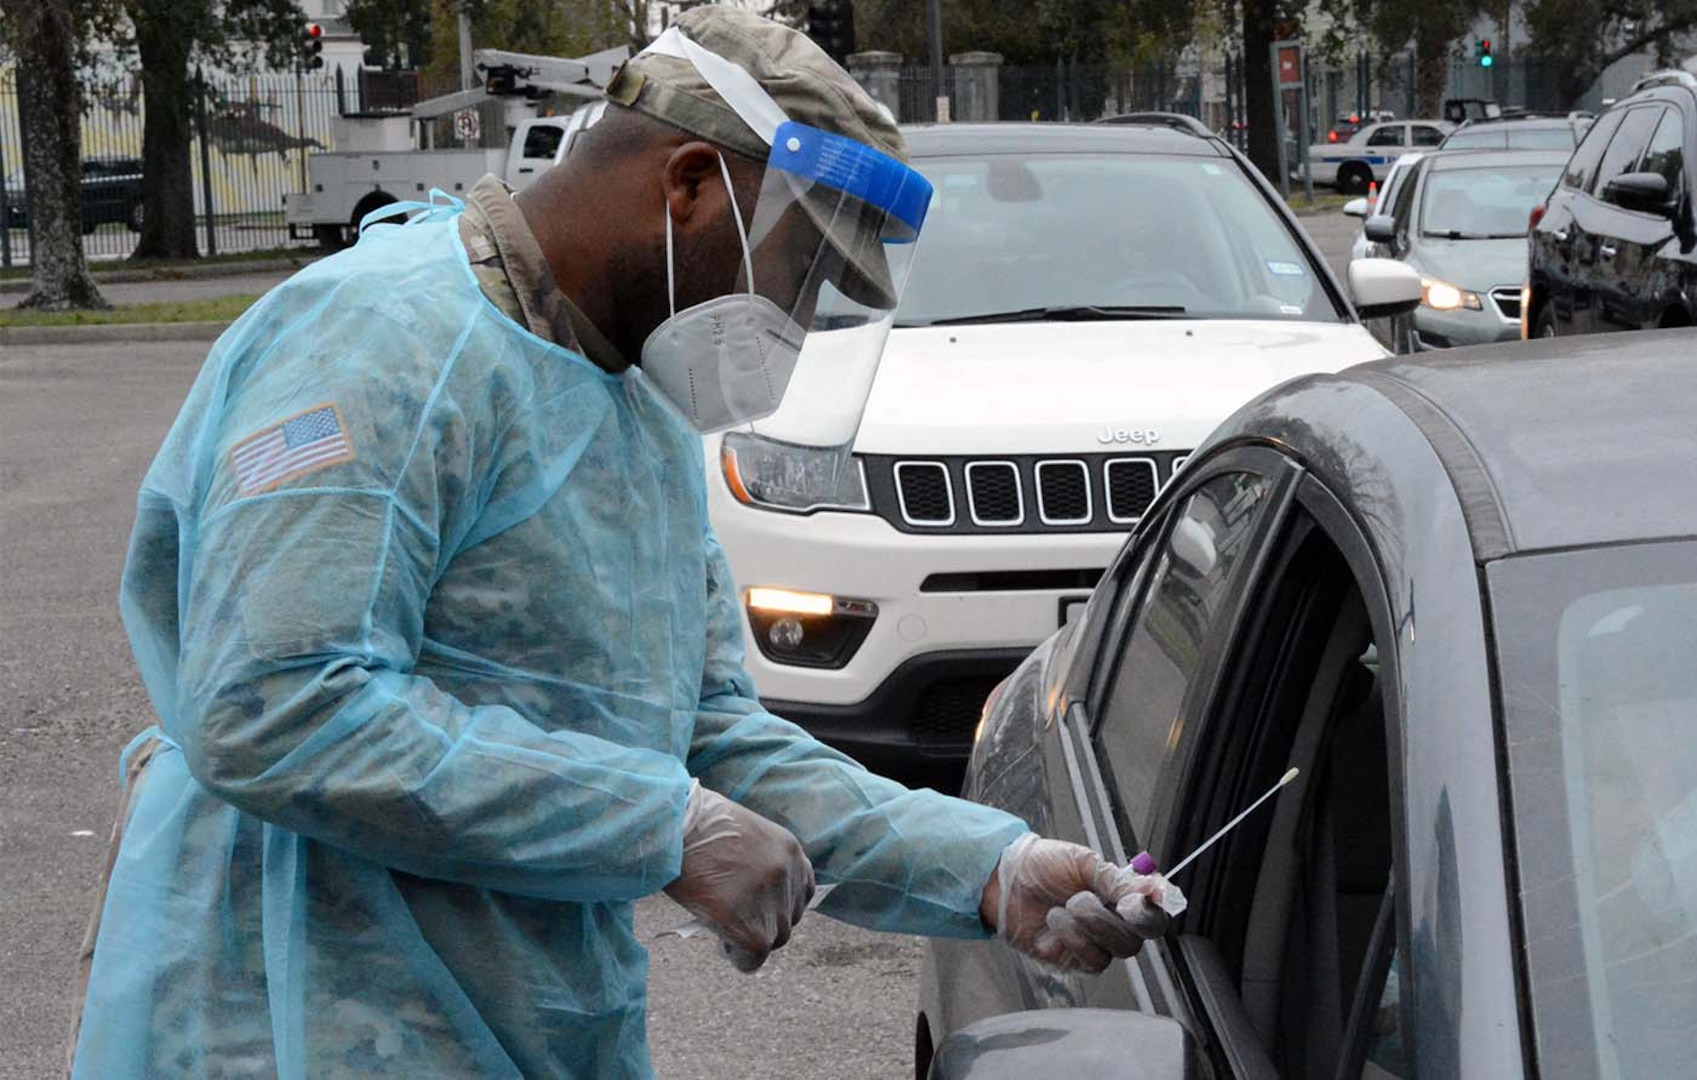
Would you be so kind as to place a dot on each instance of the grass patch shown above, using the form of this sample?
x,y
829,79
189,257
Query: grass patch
x,y
164,267
212,309
1324,202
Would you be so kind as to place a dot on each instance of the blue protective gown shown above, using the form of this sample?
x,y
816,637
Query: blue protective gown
x,y
431,710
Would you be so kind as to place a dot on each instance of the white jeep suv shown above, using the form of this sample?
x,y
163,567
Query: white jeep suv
x,y
1087,304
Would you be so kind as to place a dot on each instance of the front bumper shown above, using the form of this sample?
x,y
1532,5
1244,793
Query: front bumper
x,y
1433,329
915,686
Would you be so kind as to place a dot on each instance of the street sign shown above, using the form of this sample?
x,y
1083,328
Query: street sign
x,y
467,126
1290,64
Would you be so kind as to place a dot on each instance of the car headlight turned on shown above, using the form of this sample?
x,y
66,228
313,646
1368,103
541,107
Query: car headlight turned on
x,y
1442,296
807,629
775,475
1526,312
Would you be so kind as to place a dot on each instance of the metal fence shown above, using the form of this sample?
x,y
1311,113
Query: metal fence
x,y
252,136
1085,92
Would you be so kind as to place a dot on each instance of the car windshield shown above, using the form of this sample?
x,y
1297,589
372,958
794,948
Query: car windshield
x,y
1484,203
1512,138
1600,688
1033,238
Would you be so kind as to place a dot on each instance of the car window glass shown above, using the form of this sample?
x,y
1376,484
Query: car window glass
x,y
542,141
1582,167
1299,890
1427,136
1627,146
1159,656
1484,204
1191,236
1666,154
1386,136
1403,205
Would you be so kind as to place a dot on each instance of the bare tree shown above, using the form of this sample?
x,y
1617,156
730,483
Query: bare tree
x,y
44,38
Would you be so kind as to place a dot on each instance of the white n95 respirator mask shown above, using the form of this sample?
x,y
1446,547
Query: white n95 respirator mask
x,y
725,361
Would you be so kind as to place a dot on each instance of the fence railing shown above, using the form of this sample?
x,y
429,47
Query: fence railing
x,y
252,137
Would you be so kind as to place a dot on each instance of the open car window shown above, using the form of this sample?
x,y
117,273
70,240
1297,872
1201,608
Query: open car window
x,y
1297,907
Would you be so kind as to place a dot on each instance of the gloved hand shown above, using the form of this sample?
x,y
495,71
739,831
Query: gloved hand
x,y
743,876
1060,904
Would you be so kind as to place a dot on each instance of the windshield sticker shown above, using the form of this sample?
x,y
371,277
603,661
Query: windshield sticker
x,y
1290,309
1285,269
1212,170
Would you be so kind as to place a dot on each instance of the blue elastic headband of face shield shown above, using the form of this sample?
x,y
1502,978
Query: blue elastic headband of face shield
x,y
852,167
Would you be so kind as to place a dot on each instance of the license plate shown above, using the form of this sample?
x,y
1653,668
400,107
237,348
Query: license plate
x,y
1071,608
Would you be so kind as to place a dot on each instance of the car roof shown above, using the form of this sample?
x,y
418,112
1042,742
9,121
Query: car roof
x,y
1494,122
1559,443
948,140
1492,158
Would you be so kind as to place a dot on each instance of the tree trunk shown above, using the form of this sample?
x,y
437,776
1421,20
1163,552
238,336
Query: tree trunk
x,y
1260,20
1431,73
167,227
49,106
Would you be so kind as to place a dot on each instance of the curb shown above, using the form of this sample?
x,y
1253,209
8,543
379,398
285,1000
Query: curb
x,y
187,272
110,333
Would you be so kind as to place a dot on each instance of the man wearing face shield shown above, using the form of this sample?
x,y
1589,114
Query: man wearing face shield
x,y
446,659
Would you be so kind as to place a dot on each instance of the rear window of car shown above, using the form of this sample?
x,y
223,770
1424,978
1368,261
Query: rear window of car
x,y
1189,235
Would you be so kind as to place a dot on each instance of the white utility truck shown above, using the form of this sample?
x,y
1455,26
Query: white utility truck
x,y
386,158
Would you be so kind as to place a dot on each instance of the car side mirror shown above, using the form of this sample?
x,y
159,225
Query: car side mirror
x,y
1383,288
1643,191
1078,1044
1355,208
1381,229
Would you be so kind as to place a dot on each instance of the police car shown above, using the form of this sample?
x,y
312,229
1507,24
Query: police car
x,y
1369,154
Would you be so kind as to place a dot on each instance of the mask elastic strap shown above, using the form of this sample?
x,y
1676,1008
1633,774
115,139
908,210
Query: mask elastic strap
x,y
671,291
736,214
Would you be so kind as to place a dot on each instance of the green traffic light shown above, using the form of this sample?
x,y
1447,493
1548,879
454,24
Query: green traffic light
x,y
1486,60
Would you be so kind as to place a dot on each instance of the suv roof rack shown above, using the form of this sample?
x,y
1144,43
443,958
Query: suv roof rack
x,y
1671,77
1176,121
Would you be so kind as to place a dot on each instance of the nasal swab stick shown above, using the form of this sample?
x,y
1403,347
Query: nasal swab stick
x,y
1233,823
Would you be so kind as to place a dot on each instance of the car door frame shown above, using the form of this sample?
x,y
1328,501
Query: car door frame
x,y
1189,980
1154,984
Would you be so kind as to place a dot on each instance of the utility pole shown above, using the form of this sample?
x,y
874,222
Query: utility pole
x,y
468,76
934,19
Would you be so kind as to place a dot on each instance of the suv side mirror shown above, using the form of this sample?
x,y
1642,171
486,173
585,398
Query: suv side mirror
x,y
1381,229
1644,191
1383,288
1355,208
1078,1044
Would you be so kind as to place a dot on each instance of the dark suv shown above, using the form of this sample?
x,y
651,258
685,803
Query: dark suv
x,y
1613,247
111,193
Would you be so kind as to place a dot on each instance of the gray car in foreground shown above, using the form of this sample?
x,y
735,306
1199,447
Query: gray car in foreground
x,y
1460,593
1461,219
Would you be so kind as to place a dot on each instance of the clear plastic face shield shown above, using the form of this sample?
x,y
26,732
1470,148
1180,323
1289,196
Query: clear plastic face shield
x,y
785,364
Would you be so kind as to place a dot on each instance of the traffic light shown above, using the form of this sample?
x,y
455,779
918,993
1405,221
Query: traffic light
x,y
1482,52
312,47
830,23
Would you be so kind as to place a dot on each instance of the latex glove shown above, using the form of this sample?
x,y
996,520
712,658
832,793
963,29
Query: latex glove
x,y
743,876
1061,905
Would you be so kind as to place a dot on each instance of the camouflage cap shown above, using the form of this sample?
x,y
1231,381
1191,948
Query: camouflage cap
x,y
806,83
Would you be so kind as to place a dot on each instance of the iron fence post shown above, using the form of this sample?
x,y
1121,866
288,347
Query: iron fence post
x,y
300,126
205,160
6,202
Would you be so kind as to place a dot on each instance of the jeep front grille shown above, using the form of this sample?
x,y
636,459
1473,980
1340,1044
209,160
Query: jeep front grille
x,y
1021,494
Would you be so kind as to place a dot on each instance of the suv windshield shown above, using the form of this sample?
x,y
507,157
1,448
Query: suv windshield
x,y
1124,236
1600,690
1484,203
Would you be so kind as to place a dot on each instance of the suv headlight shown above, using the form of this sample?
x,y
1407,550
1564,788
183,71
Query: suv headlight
x,y
776,475
1442,296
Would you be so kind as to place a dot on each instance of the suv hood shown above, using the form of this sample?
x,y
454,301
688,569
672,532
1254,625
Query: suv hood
x,y
1035,388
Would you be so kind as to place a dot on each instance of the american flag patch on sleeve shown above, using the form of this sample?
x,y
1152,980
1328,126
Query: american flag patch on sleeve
x,y
303,443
